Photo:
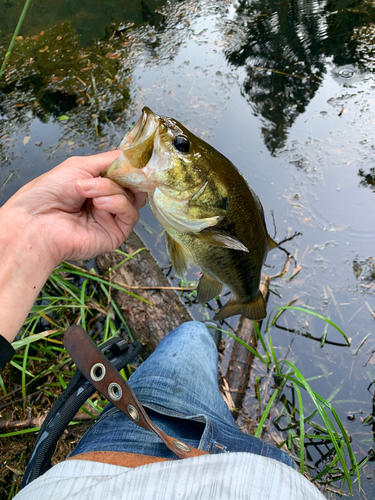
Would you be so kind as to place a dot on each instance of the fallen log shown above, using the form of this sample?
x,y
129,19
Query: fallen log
x,y
241,359
149,323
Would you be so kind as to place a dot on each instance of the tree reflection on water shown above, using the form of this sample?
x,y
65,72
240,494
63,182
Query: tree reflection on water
x,y
285,47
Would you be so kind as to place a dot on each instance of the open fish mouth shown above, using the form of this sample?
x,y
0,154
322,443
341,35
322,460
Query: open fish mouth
x,y
142,131
137,148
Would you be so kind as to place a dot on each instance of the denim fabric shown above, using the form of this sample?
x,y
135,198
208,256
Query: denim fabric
x,y
178,384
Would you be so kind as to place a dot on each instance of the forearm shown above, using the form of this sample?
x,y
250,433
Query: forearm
x,y
24,268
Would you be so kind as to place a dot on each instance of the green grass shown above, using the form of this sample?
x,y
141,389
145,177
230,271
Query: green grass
x,y
304,428
271,321
71,296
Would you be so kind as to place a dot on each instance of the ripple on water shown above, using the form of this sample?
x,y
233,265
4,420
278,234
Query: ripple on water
x,y
348,74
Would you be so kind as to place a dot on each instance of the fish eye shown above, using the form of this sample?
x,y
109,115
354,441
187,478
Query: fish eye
x,y
181,143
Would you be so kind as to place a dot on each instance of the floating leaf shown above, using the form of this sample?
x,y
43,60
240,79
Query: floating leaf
x,y
113,55
26,139
64,118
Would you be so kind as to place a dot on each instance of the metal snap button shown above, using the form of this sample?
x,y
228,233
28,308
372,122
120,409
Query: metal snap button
x,y
182,446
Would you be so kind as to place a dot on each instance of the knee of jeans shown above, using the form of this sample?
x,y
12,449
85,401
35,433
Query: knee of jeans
x,y
190,340
189,329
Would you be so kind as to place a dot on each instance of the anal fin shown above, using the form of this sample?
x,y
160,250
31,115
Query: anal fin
x,y
177,255
208,288
255,309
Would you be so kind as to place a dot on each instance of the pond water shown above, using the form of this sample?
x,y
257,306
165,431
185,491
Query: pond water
x,y
283,89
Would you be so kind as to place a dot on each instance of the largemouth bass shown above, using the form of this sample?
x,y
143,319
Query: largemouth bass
x,y
212,218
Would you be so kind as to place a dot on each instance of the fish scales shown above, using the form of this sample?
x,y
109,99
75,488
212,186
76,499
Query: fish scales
x,y
213,219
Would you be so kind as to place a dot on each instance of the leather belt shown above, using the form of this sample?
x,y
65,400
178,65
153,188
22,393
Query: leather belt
x,y
122,458
107,380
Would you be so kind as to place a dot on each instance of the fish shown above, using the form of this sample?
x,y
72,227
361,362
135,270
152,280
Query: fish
x,y
212,218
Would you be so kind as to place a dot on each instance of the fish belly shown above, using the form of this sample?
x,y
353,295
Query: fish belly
x,y
233,268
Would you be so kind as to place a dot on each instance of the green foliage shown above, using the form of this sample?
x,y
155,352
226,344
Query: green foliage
x,y
72,295
303,428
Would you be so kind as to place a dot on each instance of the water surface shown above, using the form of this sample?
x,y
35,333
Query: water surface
x,y
285,90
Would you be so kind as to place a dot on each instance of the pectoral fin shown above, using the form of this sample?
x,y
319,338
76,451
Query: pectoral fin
x,y
208,288
255,309
177,255
221,239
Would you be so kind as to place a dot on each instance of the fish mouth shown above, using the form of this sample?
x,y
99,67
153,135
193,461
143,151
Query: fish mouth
x,y
143,130
137,148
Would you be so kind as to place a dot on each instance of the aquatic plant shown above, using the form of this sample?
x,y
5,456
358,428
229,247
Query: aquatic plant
x,y
14,37
303,428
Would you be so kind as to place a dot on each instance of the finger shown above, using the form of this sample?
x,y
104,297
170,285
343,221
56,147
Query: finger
x,y
139,198
97,187
95,164
126,217
114,236
119,205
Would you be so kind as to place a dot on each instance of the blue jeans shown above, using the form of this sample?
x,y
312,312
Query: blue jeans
x,y
178,384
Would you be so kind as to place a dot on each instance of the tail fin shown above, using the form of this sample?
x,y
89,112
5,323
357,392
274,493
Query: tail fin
x,y
256,309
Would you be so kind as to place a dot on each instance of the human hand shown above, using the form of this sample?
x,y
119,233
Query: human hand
x,y
74,213
66,213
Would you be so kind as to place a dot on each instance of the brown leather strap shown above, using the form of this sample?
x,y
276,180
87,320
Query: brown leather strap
x,y
122,458
107,380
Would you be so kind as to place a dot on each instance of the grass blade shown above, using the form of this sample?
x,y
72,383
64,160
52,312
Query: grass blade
x,y
20,368
277,315
295,308
23,381
253,351
328,424
33,338
302,430
275,358
258,432
260,337
3,386
83,312
128,257
118,312
105,282
14,37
